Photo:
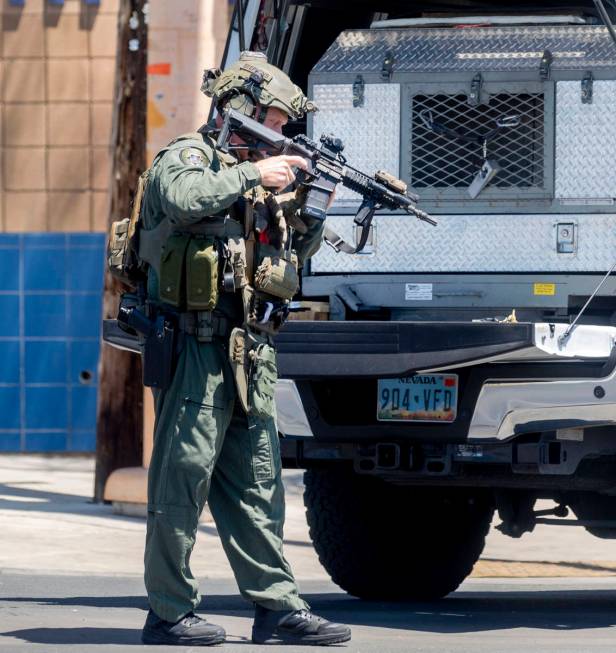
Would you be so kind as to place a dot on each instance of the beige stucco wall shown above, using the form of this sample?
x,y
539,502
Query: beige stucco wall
x,y
57,70
185,36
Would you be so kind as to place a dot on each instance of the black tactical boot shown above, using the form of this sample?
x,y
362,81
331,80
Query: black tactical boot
x,y
190,630
298,627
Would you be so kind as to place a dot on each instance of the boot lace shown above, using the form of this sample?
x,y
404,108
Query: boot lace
x,y
191,619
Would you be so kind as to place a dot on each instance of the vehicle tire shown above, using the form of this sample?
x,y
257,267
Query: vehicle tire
x,y
381,541
591,506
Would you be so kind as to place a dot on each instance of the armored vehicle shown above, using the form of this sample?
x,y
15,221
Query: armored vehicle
x,y
448,376
445,383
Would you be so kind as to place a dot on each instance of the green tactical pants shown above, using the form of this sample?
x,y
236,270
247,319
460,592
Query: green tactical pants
x,y
207,448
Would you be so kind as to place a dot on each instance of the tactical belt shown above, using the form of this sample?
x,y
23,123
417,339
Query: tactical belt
x,y
205,325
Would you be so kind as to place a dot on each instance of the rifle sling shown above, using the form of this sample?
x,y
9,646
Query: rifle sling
x,y
340,245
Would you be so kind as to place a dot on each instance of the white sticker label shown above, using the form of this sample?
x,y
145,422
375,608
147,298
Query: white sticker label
x,y
418,292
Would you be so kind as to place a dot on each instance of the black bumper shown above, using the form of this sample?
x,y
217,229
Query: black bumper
x,y
313,350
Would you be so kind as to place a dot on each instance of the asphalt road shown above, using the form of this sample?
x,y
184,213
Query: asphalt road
x,y
54,614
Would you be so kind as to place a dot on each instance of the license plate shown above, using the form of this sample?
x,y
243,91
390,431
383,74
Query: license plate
x,y
419,398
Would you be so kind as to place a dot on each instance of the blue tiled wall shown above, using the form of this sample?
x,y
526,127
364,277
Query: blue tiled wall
x,y
50,315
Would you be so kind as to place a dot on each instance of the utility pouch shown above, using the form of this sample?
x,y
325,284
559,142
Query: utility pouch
x,y
264,313
237,251
172,270
159,354
278,277
201,274
122,258
237,359
253,361
262,377
118,249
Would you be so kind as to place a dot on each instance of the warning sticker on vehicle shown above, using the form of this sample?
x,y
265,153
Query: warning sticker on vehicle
x,y
544,289
418,292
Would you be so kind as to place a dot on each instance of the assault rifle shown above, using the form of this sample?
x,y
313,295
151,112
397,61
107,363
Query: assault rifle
x,y
327,167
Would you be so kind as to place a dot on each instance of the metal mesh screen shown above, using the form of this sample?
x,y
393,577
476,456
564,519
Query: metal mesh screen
x,y
440,160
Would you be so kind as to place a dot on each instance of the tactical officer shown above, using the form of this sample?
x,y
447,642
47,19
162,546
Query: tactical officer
x,y
222,266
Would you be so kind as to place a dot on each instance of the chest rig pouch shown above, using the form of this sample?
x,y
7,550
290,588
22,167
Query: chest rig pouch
x,y
123,243
272,280
277,276
189,272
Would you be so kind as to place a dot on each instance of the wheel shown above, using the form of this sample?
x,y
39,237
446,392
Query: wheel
x,y
591,506
381,541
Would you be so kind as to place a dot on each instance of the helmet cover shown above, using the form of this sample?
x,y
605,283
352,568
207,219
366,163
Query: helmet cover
x,y
253,81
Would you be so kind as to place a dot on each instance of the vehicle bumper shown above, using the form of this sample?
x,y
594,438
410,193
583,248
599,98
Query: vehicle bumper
x,y
503,409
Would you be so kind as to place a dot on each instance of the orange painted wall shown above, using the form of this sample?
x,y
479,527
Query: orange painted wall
x,y
57,70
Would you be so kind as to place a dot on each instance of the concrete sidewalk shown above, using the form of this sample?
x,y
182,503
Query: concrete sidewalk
x,y
50,525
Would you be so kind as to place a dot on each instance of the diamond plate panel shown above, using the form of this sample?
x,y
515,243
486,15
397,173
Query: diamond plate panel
x,y
477,243
585,141
486,49
366,148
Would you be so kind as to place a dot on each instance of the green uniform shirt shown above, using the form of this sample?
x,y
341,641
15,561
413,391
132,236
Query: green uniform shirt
x,y
190,180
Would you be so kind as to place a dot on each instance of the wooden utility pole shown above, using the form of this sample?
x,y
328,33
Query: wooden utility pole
x,y
119,435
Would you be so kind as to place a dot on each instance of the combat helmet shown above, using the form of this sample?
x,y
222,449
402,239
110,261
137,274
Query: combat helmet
x,y
253,81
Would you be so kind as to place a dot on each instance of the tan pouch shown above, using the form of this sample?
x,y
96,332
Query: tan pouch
x,y
278,277
237,358
172,270
117,248
201,274
253,361
237,250
122,248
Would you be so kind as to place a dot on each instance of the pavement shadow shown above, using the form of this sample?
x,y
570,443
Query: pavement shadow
x,y
134,602
15,497
462,612
84,636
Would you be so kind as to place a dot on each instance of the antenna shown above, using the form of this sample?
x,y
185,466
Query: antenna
x,y
240,24
562,339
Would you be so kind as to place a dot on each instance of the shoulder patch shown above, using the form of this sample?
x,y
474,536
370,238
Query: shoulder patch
x,y
191,156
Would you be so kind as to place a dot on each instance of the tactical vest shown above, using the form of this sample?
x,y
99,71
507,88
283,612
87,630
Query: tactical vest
x,y
195,263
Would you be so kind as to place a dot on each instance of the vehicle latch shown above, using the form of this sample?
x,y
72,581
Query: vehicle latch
x,y
587,84
474,97
545,65
388,65
359,87
566,238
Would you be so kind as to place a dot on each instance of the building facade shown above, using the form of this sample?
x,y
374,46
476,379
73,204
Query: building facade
x,y
57,76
